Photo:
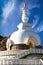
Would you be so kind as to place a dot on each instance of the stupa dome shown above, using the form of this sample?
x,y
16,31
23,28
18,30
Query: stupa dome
x,y
22,37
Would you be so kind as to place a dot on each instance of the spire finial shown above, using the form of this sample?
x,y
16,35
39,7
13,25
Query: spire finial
x,y
24,14
25,3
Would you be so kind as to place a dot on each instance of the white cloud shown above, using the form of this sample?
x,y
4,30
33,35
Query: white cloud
x,y
40,28
33,4
30,6
35,21
9,7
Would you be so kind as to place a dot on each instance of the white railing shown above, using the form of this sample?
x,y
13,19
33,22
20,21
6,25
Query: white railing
x,y
20,61
19,53
15,52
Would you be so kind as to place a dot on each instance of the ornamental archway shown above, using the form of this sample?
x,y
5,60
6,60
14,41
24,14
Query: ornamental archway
x,y
32,42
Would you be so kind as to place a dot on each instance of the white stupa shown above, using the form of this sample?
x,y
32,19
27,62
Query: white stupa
x,y
25,31
19,49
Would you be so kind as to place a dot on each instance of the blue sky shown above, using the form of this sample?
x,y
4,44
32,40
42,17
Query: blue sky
x,y
10,16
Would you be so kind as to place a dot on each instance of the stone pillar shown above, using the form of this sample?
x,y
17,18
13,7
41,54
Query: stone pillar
x,y
8,44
